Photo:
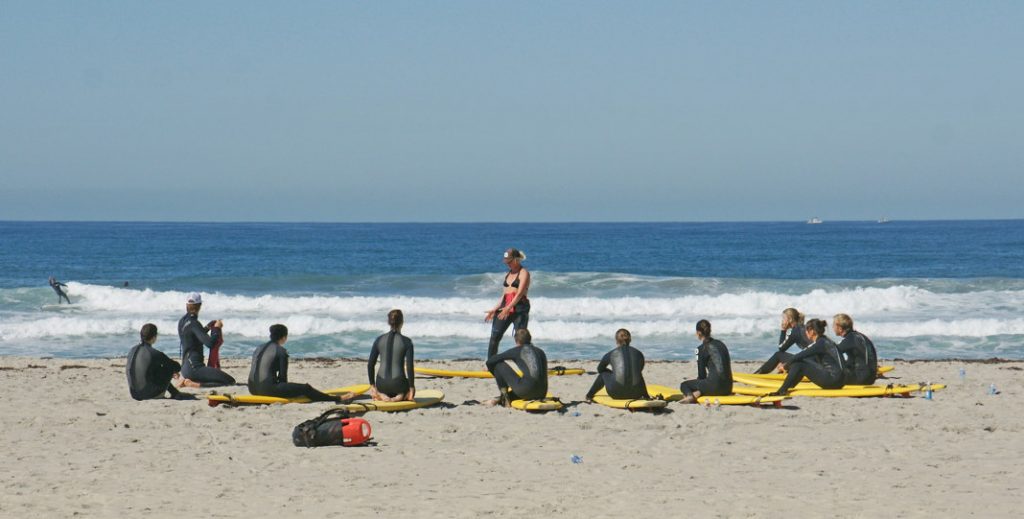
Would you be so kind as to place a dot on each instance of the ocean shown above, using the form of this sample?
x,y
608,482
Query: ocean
x,y
920,290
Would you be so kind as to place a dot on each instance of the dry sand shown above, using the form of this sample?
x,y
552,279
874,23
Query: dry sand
x,y
75,444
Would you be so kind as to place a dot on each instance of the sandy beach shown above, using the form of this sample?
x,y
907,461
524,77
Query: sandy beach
x,y
75,444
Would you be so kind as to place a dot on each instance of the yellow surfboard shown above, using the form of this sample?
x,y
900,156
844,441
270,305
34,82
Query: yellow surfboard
x,y
625,403
424,398
549,403
452,373
782,376
753,380
215,399
674,395
855,392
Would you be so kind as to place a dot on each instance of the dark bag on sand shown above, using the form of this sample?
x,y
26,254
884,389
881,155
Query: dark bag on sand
x,y
334,427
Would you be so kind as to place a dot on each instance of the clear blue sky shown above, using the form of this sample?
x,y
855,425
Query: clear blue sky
x,y
511,111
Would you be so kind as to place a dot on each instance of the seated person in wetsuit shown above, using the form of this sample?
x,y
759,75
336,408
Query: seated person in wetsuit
x,y
269,373
150,371
624,379
820,362
861,360
193,336
714,368
792,333
392,383
531,361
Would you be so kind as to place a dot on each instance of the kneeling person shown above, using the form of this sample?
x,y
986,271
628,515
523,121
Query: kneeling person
x,y
714,368
150,371
269,373
531,361
625,378
392,384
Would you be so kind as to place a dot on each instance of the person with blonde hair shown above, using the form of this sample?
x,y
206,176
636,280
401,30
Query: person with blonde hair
x,y
531,383
859,352
514,307
820,362
620,371
793,332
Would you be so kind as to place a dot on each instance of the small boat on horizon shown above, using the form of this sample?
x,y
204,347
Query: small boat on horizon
x,y
883,220
814,221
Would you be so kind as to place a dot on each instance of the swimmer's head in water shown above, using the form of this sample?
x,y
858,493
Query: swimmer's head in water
x,y
148,332
278,332
513,255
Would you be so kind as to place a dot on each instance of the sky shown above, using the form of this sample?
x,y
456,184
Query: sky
x,y
511,111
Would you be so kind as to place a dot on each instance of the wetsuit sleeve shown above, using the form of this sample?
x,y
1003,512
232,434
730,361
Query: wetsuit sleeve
x,y
208,340
702,362
282,365
509,354
815,349
786,342
409,368
372,362
605,361
162,360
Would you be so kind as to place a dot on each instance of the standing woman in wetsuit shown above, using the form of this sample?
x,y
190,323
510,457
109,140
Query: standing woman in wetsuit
x,y
820,362
514,307
792,333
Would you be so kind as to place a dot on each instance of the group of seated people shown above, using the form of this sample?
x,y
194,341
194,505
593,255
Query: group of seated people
x,y
620,372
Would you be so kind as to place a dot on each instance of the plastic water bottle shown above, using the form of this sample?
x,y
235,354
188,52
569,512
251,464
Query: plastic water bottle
x,y
718,405
576,460
574,414
963,374
992,389
928,391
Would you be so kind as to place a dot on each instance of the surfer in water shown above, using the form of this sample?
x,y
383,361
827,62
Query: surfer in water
x,y
268,375
150,371
532,363
514,307
792,333
714,368
620,371
193,337
861,358
395,381
820,362
61,295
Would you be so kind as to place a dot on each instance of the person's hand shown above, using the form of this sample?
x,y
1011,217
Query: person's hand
x,y
220,324
504,313
490,315
176,376
783,367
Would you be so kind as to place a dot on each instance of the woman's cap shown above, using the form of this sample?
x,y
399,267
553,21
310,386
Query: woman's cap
x,y
194,299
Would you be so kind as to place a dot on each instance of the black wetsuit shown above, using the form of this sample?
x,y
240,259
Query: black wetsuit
x,y
532,362
519,318
861,359
714,370
625,378
193,337
60,293
820,362
149,372
787,338
396,352
268,376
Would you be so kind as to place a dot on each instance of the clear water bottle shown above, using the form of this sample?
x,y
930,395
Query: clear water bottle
x,y
992,389
928,391
963,374
718,405
574,414
576,460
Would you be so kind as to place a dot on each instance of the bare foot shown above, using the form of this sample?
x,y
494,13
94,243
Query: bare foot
x,y
347,396
492,402
184,382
